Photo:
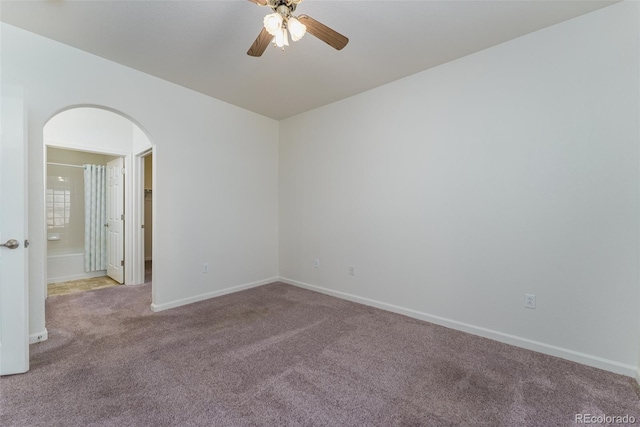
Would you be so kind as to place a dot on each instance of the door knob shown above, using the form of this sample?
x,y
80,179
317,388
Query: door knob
x,y
11,244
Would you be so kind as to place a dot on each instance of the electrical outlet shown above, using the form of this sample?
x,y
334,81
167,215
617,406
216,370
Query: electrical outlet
x,y
316,263
205,267
530,301
352,271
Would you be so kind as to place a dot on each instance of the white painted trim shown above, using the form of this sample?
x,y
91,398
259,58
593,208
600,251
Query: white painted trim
x,y
154,229
202,297
552,350
130,266
90,275
39,337
137,262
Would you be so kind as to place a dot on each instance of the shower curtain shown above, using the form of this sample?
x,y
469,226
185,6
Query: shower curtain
x,y
95,218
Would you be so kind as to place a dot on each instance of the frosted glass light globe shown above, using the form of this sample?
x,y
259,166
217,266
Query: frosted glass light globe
x,y
273,23
296,28
281,38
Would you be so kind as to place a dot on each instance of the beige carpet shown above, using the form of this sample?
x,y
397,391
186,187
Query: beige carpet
x,y
279,355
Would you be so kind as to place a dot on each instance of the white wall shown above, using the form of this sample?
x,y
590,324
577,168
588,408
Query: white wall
x,y
140,141
92,128
228,220
455,191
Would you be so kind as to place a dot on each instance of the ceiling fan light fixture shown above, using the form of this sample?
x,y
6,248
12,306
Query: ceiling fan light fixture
x,y
273,23
296,28
282,24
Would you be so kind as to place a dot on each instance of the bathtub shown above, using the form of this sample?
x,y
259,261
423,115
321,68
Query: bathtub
x,y
65,267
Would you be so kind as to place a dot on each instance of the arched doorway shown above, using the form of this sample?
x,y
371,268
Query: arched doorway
x,y
96,136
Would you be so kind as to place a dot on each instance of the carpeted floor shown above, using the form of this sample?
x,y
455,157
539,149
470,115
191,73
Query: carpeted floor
x,y
279,355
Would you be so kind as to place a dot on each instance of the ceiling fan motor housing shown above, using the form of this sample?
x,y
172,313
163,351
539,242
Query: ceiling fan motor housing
x,y
283,7
285,10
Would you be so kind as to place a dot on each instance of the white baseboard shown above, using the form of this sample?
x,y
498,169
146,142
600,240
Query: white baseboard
x,y
563,353
61,279
202,297
39,337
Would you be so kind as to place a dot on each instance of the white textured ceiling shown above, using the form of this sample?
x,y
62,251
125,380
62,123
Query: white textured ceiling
x,y
202,45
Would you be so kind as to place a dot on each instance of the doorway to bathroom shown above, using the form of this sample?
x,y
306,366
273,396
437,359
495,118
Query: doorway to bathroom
x,y
84,245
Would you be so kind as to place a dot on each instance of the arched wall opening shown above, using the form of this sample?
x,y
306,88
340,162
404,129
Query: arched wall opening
x,y
95,134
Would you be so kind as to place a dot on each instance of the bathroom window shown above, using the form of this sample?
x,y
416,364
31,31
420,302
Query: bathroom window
x,y
58,202
65,209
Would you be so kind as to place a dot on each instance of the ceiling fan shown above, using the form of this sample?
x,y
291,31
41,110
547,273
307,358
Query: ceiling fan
x,y
279,24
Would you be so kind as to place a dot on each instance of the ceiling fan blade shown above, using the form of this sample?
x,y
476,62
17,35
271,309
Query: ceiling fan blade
x,y
324,33
259,2
260,44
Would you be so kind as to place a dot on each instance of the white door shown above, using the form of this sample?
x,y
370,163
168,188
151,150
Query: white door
x,y
14,293
115,220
